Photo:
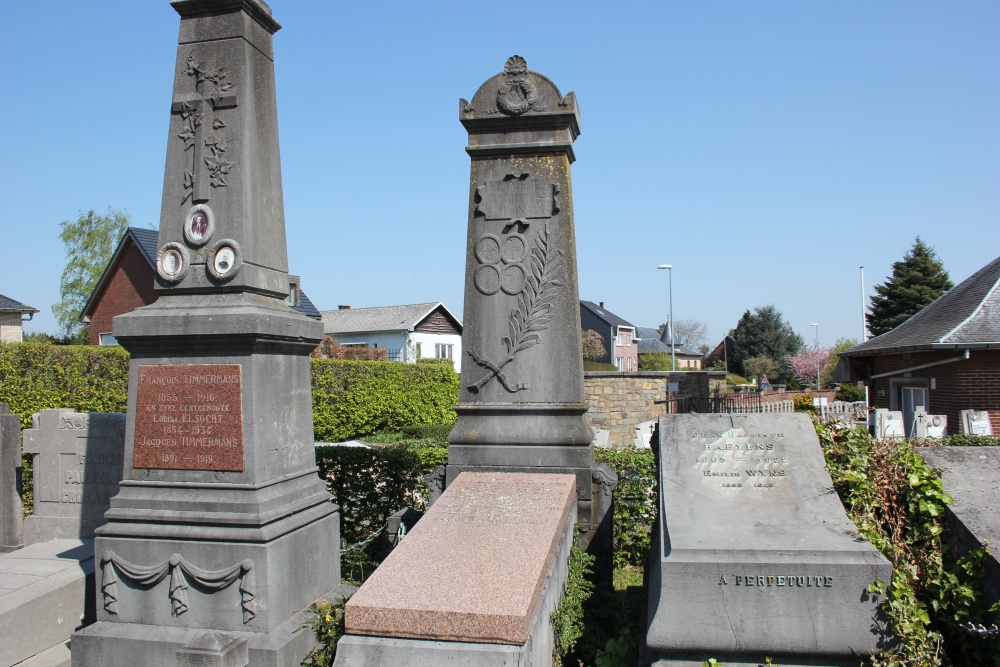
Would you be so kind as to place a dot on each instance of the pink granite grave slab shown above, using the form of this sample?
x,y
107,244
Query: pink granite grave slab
x,y
473,568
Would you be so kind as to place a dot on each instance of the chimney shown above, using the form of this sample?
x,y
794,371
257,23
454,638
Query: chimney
x,y
601,304
343,307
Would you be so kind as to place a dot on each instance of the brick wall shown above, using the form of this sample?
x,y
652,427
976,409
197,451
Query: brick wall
x,y
967,384
10,327
130,287
617,402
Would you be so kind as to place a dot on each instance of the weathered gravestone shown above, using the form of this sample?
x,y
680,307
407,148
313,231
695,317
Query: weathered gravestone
x,y
971,476
889,425
521,401
221,524
753,554
77,465
473,583
976,422
11,508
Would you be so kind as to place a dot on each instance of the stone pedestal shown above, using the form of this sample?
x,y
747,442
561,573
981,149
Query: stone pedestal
x,y
11,508
521,401
221,523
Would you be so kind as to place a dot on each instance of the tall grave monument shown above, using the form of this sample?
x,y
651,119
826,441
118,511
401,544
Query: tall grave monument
x,y
221,532
521,400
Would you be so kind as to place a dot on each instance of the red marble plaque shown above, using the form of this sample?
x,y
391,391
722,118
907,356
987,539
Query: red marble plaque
x,y
189,418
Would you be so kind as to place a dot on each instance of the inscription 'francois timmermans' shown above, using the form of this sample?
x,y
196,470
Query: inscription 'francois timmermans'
x,y
189,417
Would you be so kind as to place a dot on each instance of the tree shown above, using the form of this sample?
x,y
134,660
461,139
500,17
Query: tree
x,y
593,345
762,333
917,280
690,332
654,361
90,242
758,367
809,363
841,344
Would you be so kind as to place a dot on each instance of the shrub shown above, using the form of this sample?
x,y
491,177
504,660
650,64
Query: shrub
x,y
968,440
897,503
850,393
436,433
598,366
804,403
36,376
635,502
330,349
654,361
352,398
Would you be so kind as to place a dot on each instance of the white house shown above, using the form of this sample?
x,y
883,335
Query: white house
x,y
408,333
11,316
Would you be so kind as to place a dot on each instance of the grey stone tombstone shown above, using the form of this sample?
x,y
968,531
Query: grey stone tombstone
x,y
11,509
889,425
971,476
77,464
521,400
753,554
221,524
976,422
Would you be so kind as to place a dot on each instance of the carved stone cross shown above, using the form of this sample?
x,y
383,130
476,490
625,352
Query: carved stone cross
x,y
211,168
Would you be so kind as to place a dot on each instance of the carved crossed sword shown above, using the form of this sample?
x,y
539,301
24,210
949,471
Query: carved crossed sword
x,y
495,371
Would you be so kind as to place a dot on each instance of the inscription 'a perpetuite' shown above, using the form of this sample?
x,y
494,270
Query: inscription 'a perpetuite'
x,y
189,418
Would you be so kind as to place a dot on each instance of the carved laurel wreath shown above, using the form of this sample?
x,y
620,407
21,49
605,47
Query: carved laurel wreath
x,y
532,315
515,108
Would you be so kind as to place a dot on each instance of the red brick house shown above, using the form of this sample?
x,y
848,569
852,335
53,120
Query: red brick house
x,y
946,357
127,284
619,336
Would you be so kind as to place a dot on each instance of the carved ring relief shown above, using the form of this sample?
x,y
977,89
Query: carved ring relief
x,y
501,268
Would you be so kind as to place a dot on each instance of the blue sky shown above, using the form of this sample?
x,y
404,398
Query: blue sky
x,y
765,149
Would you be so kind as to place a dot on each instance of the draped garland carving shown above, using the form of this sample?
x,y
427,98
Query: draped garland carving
x,y
180,572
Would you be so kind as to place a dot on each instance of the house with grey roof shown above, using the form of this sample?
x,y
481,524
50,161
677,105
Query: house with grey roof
x,y
128,283
408,332
652,340
945,358
11,316
621,348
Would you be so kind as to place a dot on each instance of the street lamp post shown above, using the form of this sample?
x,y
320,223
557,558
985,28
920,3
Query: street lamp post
x,y
817,353
670,282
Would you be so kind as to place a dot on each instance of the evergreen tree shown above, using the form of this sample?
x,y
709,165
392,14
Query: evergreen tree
x,y
917,280
762,333
90,243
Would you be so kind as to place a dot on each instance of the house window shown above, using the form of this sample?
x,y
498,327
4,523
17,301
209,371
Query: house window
x,y
631,364
293,295
108,339
394,354
620,363
442,350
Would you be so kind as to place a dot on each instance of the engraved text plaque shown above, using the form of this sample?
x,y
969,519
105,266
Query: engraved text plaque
x,y
189,418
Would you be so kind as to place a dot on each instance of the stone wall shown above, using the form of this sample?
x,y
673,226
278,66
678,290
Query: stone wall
x,y
618,402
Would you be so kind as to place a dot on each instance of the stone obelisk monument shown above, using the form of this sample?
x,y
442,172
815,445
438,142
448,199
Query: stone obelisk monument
x,y
521,401
222,532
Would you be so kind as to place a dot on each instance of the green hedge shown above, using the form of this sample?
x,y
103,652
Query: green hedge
x,y
35,376
352,398
635,502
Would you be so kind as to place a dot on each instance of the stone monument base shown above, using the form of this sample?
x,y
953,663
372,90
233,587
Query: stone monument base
x,y
107,643
741,661
493,553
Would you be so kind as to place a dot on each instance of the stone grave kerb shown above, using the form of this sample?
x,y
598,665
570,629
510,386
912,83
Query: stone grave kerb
x,y
521,399
220,497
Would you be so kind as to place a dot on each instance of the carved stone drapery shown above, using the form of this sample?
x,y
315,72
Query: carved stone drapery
x,y
180,572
